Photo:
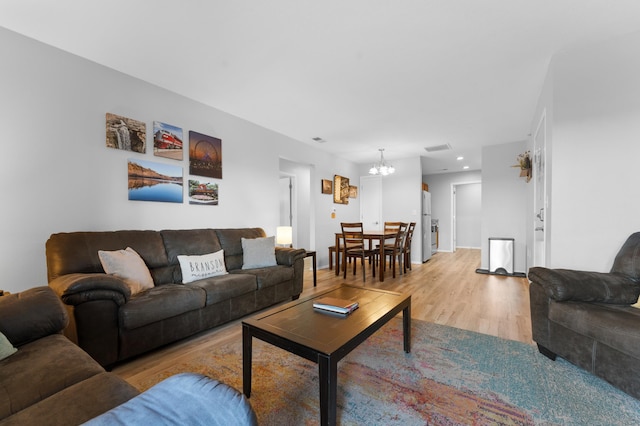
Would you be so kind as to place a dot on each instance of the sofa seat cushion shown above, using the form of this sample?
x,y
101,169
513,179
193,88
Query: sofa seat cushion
x,y
270,276
159,303
614,325
41,369
78,403
225,287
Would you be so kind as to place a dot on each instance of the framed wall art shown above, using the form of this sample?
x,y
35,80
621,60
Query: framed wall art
x,y
167,141
203,193
126,133
205,155
149,181
326,186
340,189
353,191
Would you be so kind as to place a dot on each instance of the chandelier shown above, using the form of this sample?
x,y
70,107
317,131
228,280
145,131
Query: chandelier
x,y
382,167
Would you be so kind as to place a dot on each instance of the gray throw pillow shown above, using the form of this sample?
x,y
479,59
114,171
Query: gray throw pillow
x,y
258,252
6,348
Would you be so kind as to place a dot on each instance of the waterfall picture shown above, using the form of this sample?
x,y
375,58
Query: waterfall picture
x,y
126,133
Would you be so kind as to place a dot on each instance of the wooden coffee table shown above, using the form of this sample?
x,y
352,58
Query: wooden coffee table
x,y
324,338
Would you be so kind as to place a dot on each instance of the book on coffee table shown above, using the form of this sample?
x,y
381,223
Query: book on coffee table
x,y
333,304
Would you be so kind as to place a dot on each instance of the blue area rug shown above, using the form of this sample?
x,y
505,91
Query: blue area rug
x,y
451,377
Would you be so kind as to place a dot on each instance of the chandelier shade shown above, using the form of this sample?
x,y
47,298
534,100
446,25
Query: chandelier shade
x,y
382,167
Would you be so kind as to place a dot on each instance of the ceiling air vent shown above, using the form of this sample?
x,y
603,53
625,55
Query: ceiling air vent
x,y
319,139
434,148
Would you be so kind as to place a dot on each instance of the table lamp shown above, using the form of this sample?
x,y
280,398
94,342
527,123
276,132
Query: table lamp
x,y
284,235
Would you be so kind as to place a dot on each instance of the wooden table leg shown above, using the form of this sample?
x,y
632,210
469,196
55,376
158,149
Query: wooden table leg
x,y
328,377
406,327
382,259
337,255
246,361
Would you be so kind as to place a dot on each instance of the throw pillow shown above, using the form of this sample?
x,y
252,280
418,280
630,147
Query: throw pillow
x,y
258,252
6,348
199,267
129,266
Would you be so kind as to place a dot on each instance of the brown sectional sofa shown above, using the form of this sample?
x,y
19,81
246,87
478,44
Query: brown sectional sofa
x,y
112,325
49,380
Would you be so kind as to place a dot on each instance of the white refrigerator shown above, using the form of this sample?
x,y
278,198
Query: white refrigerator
x,y
426,226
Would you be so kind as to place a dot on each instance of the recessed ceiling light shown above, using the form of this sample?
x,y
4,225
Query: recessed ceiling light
x,y
460,158
465,167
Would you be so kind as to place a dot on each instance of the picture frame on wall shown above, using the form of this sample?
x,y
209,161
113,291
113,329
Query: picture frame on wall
x,y
340,189
125,133
326,186
205,155
353,191
151,181
167,141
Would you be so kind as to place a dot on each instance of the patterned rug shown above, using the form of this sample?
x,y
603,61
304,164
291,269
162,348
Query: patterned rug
x,y
451,377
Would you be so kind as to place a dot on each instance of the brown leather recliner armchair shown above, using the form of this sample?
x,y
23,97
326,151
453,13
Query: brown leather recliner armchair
x,y
588,319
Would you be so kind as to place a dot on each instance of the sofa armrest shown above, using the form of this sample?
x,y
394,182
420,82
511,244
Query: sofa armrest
x,y
565,284
31,315
183,399
75,289
288,256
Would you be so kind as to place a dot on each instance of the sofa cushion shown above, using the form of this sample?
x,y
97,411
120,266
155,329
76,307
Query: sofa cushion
x,y
128,265
159,303
226,287
31,314
77,403
204,266
77,252
614,325
40,369
230,240
268,277
6,348
258,252
189,242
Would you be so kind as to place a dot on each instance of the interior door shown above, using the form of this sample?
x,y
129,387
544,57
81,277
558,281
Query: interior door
x,y
371,202
540,205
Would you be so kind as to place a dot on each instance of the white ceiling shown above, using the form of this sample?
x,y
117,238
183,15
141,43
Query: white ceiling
x,y
361,74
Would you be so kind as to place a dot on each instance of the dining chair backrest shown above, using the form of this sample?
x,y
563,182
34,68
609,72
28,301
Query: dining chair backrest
x,y
400,236
392,226
352,235
410,229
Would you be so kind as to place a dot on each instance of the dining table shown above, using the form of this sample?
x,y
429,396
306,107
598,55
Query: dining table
x,y
377,235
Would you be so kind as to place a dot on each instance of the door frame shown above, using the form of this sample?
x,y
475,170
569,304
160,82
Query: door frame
x,y
454,208
540,197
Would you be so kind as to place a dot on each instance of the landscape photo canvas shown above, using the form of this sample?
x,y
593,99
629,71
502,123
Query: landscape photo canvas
x,y
150,181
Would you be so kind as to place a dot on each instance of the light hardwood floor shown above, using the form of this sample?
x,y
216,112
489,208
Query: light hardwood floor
x,y
446,290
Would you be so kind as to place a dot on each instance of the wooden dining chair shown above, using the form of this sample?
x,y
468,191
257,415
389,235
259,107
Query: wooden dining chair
x,y
395,251
353,247
406,251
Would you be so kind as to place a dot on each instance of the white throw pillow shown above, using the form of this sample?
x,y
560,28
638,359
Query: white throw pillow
x,y
129,266
258,252
199,267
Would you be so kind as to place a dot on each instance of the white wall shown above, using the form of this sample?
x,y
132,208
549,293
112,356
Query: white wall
x,y
504,200
440,189
58,175
402,198
596,147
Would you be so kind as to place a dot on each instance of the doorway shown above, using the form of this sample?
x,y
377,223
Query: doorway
x,y
371,202
296,207
466,215
540,203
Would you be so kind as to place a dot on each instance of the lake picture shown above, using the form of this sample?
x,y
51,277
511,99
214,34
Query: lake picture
x,y
149,181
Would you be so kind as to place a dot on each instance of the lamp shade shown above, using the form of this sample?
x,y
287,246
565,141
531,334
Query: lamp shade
x,y
284,235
